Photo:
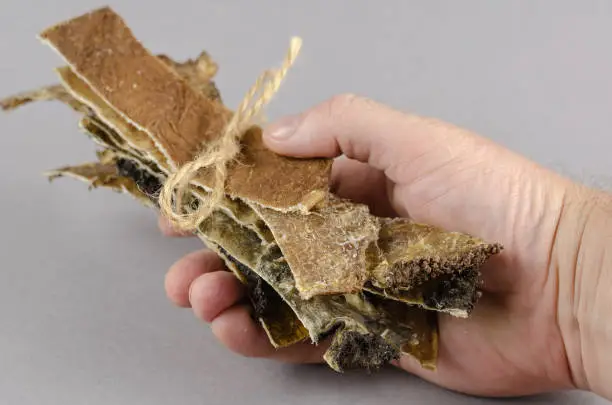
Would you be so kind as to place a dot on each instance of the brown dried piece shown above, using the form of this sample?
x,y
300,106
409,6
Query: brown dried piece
x,y
138,142
144,90
298,184
150,95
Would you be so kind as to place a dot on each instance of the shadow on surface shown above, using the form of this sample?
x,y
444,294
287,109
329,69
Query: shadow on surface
x,y
395,386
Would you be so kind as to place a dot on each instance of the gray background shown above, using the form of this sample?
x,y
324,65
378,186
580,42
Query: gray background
x,y
83,315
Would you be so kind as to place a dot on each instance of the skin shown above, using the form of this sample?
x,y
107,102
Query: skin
x,y
535,329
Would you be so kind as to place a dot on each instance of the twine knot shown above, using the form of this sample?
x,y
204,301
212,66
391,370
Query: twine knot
x,y
221,152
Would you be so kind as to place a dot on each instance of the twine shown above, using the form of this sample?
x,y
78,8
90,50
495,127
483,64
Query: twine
x,y
219,153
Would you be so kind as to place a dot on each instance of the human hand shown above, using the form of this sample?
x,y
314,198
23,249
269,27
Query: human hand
x,y
519,339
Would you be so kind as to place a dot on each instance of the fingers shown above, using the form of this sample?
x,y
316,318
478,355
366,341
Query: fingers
x,y
237,330
212,293
185,271
215,295
361,183
367,131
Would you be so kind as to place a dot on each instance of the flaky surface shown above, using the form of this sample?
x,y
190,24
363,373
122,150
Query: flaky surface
x,y
326,249
417,252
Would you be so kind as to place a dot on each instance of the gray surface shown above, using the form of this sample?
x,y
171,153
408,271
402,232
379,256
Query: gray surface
x,y
80,325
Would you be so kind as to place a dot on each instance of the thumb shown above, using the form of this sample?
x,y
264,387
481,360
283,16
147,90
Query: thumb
x,y
367,131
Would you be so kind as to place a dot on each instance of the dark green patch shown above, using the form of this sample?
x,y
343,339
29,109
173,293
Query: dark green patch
x,y
352,350
146,182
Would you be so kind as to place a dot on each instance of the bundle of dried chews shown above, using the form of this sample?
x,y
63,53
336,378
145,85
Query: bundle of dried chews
x,y
316,266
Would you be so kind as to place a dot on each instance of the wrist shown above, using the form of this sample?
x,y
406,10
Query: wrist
x,y
582,257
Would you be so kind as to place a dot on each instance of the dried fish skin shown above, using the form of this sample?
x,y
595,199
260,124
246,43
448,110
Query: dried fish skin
x,y
198,73
327,248
298,184
320,314
140,87
135,141
455,294
314,265
97,174
417,252
276,317
352,349
55,92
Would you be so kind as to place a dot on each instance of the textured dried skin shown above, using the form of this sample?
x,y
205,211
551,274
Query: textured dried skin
x,y
239,212
148,93
314,246
153,114
321,314
415,253
276,317
352,349
298,184
198,73
402,329
102,175
405,320
244,215
454,294
241,250
326,249
395,329
144,172
138,142
50,93
102,136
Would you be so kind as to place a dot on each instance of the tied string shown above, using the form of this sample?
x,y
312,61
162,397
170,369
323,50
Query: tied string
x,y
218,154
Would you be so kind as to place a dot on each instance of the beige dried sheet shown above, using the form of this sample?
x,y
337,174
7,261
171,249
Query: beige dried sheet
x,y
327,248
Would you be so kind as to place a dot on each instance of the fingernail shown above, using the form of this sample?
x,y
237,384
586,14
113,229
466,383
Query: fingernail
x,y
283,129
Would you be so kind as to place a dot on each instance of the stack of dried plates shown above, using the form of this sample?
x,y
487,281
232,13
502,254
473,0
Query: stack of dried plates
x,y
315,266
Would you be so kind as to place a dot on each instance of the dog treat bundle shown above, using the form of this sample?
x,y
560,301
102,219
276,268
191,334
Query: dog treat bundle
x,y
316,266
